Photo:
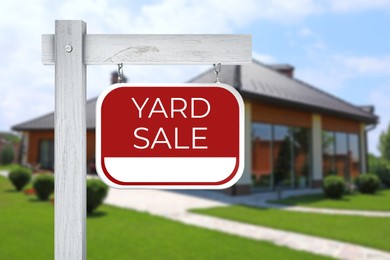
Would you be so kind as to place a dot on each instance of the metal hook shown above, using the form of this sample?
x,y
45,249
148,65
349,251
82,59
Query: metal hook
x,y
217,70
120,72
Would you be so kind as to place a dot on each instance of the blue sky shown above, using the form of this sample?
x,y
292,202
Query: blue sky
x,y
340,46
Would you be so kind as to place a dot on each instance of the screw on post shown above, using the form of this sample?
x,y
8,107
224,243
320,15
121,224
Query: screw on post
x,y
68,48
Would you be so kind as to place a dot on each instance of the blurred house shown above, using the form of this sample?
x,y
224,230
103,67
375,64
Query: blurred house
x,y
295,133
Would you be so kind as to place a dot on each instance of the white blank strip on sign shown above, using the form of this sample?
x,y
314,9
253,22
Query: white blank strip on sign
x,y
182,169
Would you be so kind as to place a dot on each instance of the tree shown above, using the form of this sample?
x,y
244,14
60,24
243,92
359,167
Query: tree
x,y
384,143
7,155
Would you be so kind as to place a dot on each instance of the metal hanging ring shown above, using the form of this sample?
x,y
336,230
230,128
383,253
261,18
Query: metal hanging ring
x,y
217,70
120,72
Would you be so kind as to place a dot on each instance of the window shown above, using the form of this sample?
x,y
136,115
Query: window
x,y
353,154
261,156
46,154
280,156
341,154
301,145
328,152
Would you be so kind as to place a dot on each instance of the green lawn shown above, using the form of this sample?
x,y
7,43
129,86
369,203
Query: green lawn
x,y
26,232
377,202
368,231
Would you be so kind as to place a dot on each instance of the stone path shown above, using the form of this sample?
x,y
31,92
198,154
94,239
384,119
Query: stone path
x,y
175,205
326,211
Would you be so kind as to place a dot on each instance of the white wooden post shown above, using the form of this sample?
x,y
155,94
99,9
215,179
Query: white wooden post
x,y
70,141
71,49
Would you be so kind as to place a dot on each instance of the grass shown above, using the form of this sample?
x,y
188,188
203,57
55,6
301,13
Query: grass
x,y
26,229
367,231
377,202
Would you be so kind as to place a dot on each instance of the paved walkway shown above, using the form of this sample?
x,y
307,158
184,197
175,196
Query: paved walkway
x,y
175,205
327,211
4,173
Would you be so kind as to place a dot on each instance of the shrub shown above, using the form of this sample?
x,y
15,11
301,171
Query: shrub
x,y
381,168
44,185
334,186
7,155
368,183
96,192
384,176
20,177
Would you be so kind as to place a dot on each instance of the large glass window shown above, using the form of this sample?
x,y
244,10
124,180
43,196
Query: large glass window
x,y
46,154
261,156
328,148
280,156
282,153
341,154
353,154
301,137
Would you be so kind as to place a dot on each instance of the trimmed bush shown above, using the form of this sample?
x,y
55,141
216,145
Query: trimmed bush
x,y
334,186
44,185
368,183
7,155
96,192
20,177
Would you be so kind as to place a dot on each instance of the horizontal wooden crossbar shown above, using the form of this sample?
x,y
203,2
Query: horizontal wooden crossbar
x,y
159,49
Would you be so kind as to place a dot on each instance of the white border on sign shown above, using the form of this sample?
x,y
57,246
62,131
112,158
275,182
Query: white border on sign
x,y
228,184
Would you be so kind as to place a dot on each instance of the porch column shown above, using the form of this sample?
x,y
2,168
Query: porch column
x,y
24,148
363,148
316,151
243,186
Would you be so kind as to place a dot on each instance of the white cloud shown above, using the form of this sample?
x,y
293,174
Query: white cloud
x,y
331,71
329,79
357,5
367,64
305,32
265,58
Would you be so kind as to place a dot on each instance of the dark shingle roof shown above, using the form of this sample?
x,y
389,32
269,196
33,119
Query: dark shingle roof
x,y
261,82
255,81
46,122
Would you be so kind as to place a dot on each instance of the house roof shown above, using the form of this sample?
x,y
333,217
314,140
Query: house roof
x,y
262,82
255,81
46,122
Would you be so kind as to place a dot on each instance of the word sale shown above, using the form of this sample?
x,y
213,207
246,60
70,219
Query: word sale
x,y
196,108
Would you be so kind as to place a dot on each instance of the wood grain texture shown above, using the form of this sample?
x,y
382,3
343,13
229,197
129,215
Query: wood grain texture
x,y
267,113
70,142
159,49
338,124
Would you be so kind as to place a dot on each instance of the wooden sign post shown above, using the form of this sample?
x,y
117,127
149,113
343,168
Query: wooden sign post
x,y
70,49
